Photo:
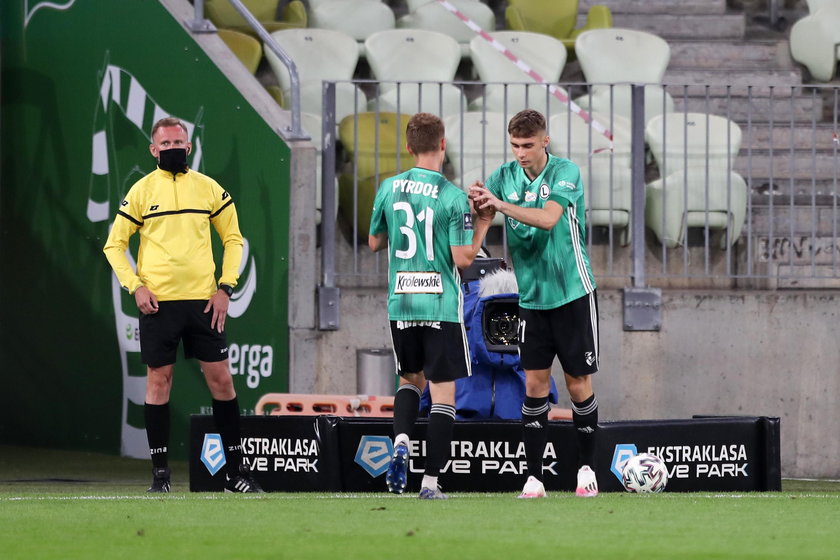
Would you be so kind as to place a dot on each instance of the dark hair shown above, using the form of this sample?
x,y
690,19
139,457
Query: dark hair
x,y
423,133
168,121
526,123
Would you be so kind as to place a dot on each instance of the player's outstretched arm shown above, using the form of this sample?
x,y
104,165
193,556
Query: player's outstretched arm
x,y
543,218
464,255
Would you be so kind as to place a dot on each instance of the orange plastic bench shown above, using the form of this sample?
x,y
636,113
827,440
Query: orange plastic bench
x,y
298,404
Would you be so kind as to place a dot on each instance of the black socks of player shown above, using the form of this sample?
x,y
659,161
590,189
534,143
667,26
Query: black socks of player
x,y
157,433
439,437
585,418
535,432
406,406
226,416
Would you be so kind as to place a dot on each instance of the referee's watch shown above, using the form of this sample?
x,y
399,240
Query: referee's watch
x,y
226,288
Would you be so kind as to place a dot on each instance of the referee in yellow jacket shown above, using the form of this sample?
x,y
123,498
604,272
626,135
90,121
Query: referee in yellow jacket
x,y
175,288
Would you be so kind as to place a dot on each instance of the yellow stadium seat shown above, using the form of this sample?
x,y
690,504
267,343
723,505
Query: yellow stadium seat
x,y
375,144
247,49
554,17
224,15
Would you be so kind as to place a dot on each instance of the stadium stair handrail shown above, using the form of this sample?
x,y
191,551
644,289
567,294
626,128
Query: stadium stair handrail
x,y
202,25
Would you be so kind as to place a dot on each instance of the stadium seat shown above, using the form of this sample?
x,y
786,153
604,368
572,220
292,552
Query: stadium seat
x,y
415,56
554,17
815,41
618,100
375,142
610,56
357,18
608,191
814,5
695,197
544,54
298,404
360,192
476,144
573,138
679,140
319,54
434,16
375,146
475,140
622,56
224,15
607,175
247,49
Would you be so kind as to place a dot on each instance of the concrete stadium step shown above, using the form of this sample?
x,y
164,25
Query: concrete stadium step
x,y
803,190
760,80
784,165
803,136
756,109
806,215
728,53
681,26
657,6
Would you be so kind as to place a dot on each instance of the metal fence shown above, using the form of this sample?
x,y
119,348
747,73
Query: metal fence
x,y
691,185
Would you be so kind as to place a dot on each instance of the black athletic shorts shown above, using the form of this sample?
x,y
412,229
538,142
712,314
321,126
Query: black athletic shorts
x,y
437,348
184,320
569,332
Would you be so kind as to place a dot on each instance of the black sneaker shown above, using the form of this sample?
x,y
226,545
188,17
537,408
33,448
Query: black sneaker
x,y
160,480
243,482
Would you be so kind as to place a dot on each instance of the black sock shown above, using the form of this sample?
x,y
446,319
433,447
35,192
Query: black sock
x,y
439,437
406,407
226,416
535,432
157,433
585,418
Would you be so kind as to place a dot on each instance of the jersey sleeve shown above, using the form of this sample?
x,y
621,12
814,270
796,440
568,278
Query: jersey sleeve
x,y
128,220
226,221
566,185
378,223
460,221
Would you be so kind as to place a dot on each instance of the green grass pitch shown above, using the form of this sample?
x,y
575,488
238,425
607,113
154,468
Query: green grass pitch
x,y
66,505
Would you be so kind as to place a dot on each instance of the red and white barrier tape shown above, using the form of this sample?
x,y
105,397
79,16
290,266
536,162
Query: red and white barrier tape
x,y
555,91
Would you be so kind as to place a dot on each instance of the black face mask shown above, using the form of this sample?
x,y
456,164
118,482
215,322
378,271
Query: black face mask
x,y
173,160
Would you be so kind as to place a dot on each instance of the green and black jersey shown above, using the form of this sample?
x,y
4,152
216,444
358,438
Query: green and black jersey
x,y
552,267
424,214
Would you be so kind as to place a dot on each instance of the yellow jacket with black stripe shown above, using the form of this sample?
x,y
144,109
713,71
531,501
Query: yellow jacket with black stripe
x,y
173,215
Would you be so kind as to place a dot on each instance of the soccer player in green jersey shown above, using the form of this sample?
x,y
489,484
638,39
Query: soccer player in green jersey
x,y
427,226
541,196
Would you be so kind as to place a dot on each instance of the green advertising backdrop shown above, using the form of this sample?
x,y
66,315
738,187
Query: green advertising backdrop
x,y
82,82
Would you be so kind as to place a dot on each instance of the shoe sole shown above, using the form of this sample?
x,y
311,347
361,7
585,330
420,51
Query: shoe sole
x,y
581,493
524,496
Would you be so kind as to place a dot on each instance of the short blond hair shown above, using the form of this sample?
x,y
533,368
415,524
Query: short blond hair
x,y
169,121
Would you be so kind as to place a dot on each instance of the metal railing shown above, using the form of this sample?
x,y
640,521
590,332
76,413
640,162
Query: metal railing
x,y
755,207
201,25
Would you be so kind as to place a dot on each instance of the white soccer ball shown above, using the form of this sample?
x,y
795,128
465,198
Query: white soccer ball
x,y
644,473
